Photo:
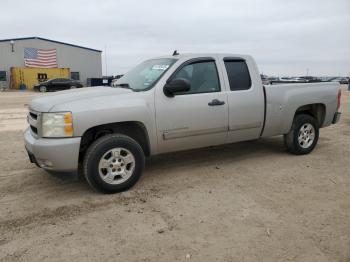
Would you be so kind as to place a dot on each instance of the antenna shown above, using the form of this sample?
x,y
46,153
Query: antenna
x,y
175,53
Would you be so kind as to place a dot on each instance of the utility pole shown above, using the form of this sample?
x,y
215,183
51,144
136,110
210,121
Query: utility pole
x,y
106,72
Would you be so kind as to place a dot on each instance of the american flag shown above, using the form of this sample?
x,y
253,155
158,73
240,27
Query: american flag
x,y
34,57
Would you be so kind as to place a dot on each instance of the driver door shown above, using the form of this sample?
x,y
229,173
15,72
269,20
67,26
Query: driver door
x,y
196,118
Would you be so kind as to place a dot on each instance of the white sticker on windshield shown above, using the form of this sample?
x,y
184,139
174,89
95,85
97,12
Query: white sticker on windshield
x,y
160,67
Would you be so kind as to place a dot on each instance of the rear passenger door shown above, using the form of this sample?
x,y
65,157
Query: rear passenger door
x,y
245,98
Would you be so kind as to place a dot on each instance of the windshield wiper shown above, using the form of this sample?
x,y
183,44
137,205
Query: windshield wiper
x,y
124,85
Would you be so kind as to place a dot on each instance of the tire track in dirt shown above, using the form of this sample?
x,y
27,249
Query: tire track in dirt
x,y
64,213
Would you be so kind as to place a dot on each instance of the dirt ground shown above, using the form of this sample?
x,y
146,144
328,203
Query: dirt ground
x,y
249,201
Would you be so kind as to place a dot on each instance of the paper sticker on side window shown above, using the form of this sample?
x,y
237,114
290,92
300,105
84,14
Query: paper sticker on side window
x,y
160,67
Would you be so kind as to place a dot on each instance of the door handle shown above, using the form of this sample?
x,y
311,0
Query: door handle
x,y
216,102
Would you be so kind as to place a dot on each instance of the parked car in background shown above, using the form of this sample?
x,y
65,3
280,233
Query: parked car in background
x,y
114,82
285,80
57,84
299,80
115,79
340,80
169,104
311,79
272,78
264,79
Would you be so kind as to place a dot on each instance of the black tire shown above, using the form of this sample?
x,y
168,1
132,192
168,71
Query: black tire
x,y
96,151
42,89
291,139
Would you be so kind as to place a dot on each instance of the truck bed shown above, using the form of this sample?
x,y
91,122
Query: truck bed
x,y
282,101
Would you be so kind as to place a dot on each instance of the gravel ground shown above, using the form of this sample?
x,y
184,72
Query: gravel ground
x,y
249,201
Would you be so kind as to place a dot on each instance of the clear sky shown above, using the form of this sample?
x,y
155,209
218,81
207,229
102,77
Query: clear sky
x,y
287,37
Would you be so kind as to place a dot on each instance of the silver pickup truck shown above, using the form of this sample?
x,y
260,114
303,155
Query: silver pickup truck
x,y
168,104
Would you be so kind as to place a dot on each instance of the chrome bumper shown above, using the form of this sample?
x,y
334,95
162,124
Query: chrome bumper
x,y
53,154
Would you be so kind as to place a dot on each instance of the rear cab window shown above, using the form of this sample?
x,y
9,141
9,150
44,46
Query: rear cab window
x,y
237,73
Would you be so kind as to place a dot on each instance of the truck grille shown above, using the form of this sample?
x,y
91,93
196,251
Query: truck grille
x,y
34,129
33,115
33,120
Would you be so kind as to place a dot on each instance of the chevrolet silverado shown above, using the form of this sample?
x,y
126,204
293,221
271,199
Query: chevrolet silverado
x,y
168,104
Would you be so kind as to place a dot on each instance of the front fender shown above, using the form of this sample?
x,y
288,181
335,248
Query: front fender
x,y
98,111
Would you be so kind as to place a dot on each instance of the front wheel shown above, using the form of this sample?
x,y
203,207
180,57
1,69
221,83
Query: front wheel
x,y
42,89
303,136
113,163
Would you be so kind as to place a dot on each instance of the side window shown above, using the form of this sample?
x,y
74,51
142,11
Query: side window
x,y
3,76
203,77
75,75
238,74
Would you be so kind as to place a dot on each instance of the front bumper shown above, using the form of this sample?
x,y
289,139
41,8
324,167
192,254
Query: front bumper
x,y
336,117
56,154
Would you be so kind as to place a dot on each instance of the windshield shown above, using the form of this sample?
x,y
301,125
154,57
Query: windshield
x,y
145,75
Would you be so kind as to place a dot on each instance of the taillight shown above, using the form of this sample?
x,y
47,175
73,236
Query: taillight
x,y
339,97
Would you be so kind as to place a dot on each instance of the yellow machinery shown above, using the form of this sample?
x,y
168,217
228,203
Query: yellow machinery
x,y
29,76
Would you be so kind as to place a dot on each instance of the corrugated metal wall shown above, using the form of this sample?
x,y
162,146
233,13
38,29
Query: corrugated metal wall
x,y
86,62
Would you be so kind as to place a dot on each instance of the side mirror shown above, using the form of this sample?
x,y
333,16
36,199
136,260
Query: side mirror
x,y
175,86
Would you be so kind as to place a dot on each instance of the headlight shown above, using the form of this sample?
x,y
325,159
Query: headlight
x,y
57,124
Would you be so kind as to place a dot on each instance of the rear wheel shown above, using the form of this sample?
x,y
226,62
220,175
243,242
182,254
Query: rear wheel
x,y
303,136
113,163
73,87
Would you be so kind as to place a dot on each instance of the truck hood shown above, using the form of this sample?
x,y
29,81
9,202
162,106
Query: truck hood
x,y
48,101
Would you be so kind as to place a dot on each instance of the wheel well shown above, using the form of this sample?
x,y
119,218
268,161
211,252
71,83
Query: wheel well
x,y
133,129
318,111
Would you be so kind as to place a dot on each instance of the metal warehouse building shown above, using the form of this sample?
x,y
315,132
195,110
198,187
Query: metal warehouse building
x,y
78,62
